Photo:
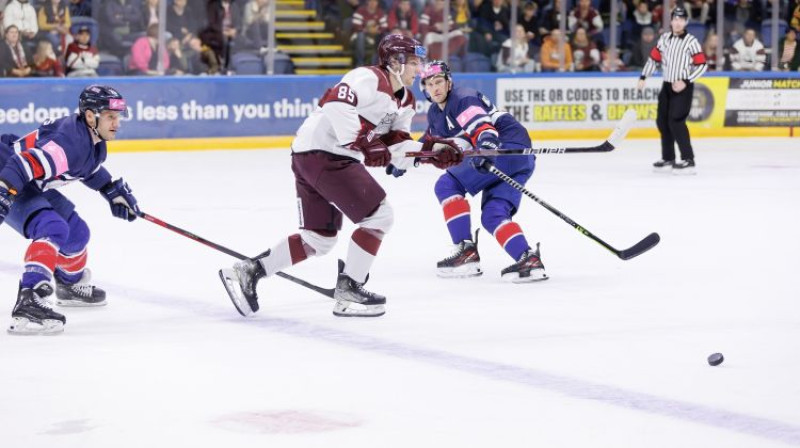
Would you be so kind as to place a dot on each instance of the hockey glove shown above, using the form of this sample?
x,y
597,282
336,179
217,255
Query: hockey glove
x,y
375,151
120,197
6,200
394,171
486,142
446,153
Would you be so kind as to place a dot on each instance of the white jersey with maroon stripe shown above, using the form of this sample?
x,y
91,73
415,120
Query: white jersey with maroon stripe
x,y
362,102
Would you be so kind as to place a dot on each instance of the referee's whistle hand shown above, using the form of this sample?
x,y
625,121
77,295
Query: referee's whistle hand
x,y
640,84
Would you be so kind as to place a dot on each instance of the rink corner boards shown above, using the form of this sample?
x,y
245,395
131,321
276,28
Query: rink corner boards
x,y
283,142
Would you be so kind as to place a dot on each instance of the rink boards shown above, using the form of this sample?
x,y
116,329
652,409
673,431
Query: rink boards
x,y
181,113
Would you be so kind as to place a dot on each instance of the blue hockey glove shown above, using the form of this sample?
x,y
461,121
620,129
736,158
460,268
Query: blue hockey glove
x,y
486,142
6,200
120,197
394,171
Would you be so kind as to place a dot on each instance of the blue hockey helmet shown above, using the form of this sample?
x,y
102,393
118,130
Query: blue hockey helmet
x,y
98,98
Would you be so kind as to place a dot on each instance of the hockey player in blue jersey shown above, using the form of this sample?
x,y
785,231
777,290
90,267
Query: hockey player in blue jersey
x,y
31,168
469,118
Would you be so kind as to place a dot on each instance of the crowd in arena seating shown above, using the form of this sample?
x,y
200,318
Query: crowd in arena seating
x,y
54,38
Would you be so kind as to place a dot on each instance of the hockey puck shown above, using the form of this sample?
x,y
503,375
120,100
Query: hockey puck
x,y
715,359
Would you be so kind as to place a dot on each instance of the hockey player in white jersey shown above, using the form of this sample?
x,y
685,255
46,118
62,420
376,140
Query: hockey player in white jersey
x,y
365,117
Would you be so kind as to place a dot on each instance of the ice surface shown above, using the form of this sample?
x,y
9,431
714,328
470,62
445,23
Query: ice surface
x,y
607,353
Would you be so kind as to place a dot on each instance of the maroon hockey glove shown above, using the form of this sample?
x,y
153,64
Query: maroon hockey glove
x,y
375,151
446,153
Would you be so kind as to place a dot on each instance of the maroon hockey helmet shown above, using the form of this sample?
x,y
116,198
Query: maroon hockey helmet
x,y
395,47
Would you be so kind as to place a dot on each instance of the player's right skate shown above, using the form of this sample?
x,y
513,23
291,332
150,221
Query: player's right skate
x,y
81,293
463,262
33,315
529,268
241,282
352,300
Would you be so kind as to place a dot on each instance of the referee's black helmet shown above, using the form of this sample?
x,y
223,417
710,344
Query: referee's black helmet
x,y
680,11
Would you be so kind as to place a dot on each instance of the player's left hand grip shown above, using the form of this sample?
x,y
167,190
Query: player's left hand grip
x,y
6,200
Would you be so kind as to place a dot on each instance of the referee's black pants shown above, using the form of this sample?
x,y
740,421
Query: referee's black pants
x,y
673,109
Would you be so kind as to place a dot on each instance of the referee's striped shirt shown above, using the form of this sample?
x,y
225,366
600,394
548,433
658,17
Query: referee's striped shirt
x,y
681,58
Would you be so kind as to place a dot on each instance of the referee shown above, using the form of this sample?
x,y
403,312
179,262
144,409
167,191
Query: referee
x,y
682,62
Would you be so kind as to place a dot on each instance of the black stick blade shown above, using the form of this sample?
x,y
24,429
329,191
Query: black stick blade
x,y
641,247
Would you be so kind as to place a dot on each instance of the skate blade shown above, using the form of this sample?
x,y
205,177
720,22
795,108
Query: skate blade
x,y
347,309
465,271
684,172
664,170
535,276
79,303
25,327
231,282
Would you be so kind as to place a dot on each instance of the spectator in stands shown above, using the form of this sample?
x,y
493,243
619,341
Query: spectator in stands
x,y
14,63
748,54
150,12
54,23
144,54
747,14
710,50
550,58
182,22
513,56
21,14
121,20
45,63
789,52
605,63
80,8
698,10
529,20
2,8
586,17
432,30
404,17
585,54
462,15
551,18
224,23
494,19
202,59
256,24
81,57
369,25
642,48
794,18
642,17
178,62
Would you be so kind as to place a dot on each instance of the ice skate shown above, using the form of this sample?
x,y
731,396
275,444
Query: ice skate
x,y
529,268
684,167
663,166
33,315
81,293
463,262
352,300
241,282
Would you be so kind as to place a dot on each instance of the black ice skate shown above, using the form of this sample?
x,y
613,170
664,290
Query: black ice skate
x,y
529,268
663,166
33,315
463,262
81,293
241,282
352,300
684,167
